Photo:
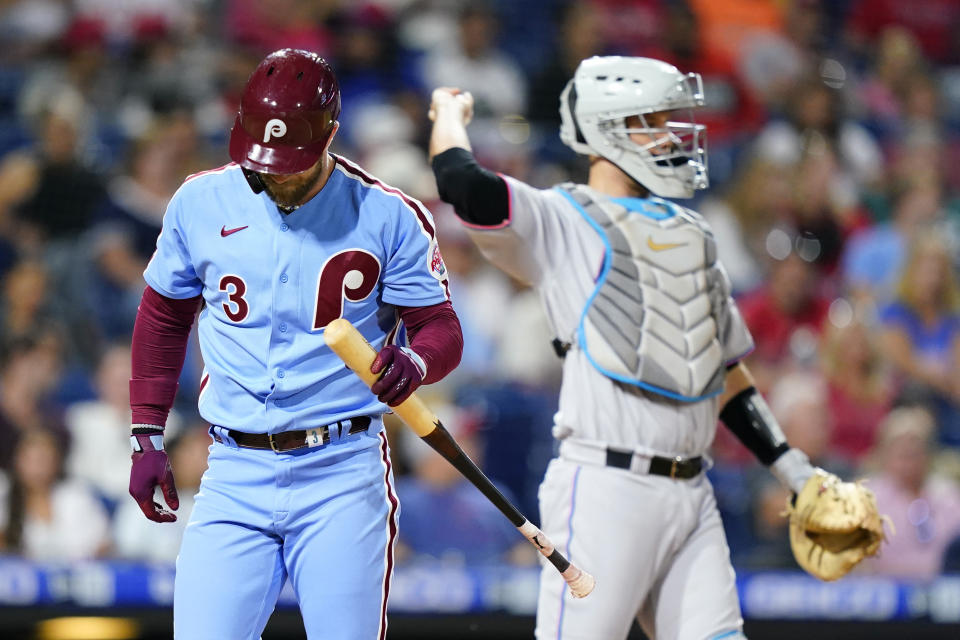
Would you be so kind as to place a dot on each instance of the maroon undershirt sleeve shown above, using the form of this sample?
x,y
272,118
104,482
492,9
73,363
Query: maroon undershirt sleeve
x,y
158,349
434,333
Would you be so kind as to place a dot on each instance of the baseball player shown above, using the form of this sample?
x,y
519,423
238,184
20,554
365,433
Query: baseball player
x,y
651,342
274,246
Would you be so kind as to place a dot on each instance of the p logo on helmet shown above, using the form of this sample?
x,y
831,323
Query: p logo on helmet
x,y
275,127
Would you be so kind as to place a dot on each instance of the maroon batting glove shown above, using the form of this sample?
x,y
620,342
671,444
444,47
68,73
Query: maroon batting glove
x,y
150,469
403,371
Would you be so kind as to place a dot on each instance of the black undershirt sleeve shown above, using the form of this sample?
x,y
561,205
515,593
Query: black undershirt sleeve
x,y
750,420
478,195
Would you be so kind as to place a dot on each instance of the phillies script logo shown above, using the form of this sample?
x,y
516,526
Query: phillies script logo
x,y
274,127
436,263
349,275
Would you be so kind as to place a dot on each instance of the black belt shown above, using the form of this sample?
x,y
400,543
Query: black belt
x,y
291,440
682,468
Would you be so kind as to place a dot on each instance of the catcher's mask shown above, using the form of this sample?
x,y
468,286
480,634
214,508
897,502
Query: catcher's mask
x,y
606,90
287,113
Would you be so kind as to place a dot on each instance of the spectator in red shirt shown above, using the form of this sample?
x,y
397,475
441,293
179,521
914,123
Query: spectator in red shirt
x,y
786,315
266,25
859,388
935,24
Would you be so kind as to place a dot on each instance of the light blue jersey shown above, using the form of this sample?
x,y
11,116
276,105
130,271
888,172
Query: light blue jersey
x,y
272,281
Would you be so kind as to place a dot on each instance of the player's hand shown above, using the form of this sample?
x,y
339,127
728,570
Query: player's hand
x,y
453,100
403,371
151,469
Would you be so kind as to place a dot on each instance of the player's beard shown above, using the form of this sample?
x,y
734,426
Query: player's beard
x,y
290,193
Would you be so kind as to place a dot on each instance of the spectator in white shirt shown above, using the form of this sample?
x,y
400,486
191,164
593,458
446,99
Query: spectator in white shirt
x,y
42,516
475,63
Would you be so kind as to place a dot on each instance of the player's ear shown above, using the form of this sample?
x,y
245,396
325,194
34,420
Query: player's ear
x,y
333,132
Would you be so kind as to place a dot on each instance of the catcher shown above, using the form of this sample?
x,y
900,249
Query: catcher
x,y
652,343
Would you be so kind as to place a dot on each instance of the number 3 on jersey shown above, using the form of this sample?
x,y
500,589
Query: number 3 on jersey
x,y
352,274
236,307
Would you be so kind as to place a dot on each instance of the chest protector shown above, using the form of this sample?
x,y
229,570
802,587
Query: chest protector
x,y
661,300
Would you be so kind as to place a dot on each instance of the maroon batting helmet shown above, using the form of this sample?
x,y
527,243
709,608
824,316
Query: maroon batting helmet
x,y
287,113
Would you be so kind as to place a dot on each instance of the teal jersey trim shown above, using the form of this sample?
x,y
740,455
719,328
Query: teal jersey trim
x,y
652,207
607,260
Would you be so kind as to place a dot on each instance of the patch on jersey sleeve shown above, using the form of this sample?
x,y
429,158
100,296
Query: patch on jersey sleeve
x,y
437,268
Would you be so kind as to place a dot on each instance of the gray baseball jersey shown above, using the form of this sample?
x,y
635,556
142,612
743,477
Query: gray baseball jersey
x,y
549,242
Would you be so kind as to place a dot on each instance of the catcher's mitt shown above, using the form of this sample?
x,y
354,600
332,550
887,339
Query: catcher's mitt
x,y
833,525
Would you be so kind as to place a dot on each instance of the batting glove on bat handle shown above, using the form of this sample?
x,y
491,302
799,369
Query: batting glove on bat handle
x,y
150,469
403,372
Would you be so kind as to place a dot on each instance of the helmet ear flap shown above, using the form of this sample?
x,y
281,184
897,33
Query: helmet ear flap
x,y
572,104
571,132
254,180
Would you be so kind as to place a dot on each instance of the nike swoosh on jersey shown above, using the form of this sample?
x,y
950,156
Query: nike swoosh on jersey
x,y
656,246
224,232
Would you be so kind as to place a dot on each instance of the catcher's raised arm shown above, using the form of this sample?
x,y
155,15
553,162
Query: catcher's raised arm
x,y
833,524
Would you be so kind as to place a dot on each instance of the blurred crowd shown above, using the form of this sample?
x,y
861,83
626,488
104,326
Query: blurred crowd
x,y
835,175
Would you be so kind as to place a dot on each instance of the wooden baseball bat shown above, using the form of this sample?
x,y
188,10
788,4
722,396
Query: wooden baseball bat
x,y
358,355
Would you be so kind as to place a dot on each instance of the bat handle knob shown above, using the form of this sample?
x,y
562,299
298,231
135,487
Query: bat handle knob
x,y
580,582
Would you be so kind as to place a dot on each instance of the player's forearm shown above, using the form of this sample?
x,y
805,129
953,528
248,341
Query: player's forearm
x,y
746,414
434,333
158,349
449,130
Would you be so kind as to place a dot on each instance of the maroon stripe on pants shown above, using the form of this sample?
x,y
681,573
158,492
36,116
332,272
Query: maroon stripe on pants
x,y
392,535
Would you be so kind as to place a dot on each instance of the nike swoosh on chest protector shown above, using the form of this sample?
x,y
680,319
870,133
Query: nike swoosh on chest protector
x,y
656,246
